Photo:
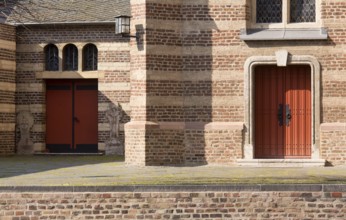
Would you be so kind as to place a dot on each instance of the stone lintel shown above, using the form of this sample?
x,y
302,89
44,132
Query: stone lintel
x,y
224,126
333,127
172,125
70,75
7,127
214,126
7,108
141,125
6,86
8,45
8,65
207,126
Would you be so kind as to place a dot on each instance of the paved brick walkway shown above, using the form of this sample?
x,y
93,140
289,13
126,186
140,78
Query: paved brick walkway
x,y
110,171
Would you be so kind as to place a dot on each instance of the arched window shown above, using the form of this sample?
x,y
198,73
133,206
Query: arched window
x,y
70,57
90,57
51,53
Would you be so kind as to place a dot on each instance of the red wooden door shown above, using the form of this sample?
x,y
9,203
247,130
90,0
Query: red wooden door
x,y
85,113
59,115
71,111
282,112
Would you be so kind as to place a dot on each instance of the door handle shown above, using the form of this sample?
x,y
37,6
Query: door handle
x,y
281,115
288,115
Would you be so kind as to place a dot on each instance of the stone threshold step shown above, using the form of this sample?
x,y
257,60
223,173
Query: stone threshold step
x,y
69,154
281,162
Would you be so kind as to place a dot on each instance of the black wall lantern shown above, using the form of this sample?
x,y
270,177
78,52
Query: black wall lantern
x,y
122,26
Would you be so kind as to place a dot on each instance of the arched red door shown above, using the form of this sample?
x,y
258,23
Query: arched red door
x,y
283,112
71,116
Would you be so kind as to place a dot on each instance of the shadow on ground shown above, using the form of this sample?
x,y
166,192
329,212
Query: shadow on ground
x,y
20,165
112,171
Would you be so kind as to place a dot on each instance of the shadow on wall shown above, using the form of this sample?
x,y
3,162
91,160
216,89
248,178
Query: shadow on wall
x,y
192,98
113,137
139,34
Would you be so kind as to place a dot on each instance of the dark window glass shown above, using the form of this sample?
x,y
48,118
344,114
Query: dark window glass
x,y
70,55
51,57
302,11
90,57
269,11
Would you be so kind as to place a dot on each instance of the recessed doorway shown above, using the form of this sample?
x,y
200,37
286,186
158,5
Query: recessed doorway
x,y
283,112
72,116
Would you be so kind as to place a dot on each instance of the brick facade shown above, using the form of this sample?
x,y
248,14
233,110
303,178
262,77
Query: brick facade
x,y
113,67
183,76
7,89
222,202
193,72
333,142
176,87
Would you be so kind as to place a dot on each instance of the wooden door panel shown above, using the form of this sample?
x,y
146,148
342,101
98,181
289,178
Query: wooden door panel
x,y
269,136
59,115
289,87
280,128
86,112
298,97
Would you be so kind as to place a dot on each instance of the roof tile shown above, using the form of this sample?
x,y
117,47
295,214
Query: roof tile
x,y
62,11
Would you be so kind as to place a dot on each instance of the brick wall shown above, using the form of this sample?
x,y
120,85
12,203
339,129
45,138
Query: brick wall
x,y
176,85
187,67
7,89
191,69
213,143
113,72
164,146
333,117
179,202
134,150
333,143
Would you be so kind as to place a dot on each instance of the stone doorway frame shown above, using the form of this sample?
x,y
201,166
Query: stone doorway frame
x,y
282,58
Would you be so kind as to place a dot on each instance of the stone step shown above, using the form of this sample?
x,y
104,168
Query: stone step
x,y
281,162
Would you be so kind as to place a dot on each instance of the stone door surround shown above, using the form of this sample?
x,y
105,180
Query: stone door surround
x,y
282,58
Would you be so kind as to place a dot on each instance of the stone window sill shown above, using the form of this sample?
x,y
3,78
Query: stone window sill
x,y
70,75
283,34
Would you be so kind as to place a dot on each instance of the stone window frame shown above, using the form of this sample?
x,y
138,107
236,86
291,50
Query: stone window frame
x,y
285,24
249,68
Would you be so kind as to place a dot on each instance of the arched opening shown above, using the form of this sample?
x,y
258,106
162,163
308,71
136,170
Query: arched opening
x,y
51,53
70,57
90,57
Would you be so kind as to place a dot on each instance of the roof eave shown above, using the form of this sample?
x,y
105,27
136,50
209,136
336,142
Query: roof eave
x,y
63,23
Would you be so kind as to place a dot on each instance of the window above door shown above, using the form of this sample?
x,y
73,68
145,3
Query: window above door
x,y
285,13
284,20
70,61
